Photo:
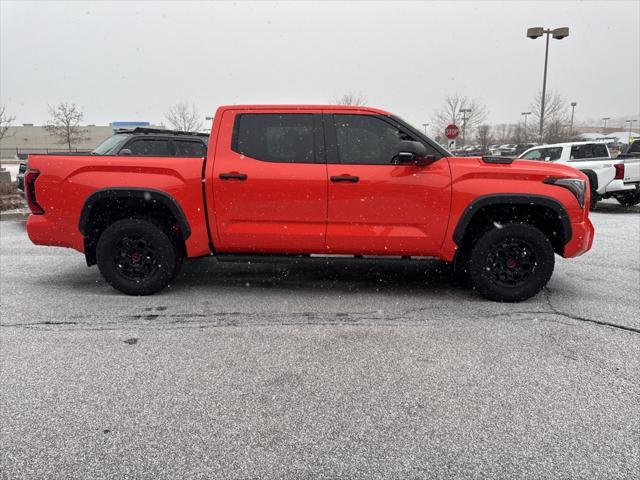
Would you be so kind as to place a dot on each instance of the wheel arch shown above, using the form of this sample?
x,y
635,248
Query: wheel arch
x,y
98,211
544,212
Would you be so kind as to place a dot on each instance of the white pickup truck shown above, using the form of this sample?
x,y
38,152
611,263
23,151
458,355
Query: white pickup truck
x,y
608,177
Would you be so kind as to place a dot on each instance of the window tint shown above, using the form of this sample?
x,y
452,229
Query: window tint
x,y
580,152
186,148
273,137
600,150
366,139
533,155
151,147
546,154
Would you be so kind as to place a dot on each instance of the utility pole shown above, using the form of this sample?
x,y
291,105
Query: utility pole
x,y
604,129
425,125
464,112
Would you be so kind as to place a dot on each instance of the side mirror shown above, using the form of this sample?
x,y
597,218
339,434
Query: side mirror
x,y
413,153
125,151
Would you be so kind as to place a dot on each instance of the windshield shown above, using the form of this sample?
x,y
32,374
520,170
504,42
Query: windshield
x,y
111,145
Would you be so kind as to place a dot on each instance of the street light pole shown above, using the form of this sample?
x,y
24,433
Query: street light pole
x,y
526,114
464,112
605,125
573,107
558,34
630,122
425,125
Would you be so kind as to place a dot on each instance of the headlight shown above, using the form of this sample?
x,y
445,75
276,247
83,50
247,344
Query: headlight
x,y
575,185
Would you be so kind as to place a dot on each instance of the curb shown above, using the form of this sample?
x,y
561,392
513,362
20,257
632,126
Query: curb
x,y
13,216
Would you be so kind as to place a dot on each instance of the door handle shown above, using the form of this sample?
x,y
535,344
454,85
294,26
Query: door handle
x,y
345,178
233,176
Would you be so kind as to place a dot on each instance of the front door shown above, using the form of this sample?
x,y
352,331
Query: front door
x,y
377,207
270,182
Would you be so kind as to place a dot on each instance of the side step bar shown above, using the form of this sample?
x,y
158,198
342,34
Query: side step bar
x,y
277,258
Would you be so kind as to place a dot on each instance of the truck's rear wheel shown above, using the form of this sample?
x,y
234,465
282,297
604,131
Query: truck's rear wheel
x,y
136,256
628,199
511,263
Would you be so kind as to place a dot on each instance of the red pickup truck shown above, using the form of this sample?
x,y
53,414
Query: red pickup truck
x,y
307,181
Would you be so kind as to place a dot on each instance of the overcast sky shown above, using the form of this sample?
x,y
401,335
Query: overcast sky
x,y
131,61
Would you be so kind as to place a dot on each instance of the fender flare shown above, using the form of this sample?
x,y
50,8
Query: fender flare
x,y
146,194
511,199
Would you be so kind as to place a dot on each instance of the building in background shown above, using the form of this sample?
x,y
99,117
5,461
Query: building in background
x,y
29,138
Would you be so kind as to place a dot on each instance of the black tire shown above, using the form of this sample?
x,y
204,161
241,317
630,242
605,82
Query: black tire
x,y
512,263
137,257
628,199
594,199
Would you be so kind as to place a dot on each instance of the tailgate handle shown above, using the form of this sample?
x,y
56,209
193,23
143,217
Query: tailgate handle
x,y
345,178
233,176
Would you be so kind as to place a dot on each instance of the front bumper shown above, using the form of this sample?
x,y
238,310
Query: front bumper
x,y
581,239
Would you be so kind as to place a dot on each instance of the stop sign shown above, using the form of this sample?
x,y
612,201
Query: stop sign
x,y
451,131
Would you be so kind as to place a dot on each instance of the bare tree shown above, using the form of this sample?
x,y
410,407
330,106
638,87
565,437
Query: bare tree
x,y
484,137
452,112
5,121
355,99
184,118
556,118
64,124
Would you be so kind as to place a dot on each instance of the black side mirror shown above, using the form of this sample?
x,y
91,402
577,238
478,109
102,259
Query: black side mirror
x,y
125,151
413,153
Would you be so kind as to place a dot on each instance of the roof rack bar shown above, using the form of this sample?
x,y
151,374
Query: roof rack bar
x,y
157,131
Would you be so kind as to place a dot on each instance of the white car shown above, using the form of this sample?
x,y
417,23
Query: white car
x,y
608,177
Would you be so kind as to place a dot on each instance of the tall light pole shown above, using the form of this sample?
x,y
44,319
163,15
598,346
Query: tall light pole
x,y
558,34
425,125
573,107
464,112
605,125
630,122
525,114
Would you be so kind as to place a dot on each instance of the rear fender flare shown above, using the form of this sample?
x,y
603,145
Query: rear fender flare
x,y
128,193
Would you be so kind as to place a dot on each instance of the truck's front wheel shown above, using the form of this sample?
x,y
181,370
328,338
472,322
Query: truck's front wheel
x,y
136,256
511,263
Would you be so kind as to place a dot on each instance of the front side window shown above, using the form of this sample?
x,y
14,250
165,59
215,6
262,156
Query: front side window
x,y
533,155
368,140
275,137
110,145
151,148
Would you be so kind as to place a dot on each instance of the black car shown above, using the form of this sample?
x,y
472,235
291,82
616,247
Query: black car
x,y
141,141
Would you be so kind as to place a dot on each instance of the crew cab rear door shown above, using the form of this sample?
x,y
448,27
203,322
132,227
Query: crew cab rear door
x,y
270,182
377,207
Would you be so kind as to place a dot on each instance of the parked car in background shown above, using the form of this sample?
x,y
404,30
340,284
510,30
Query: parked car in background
x,y
139,141
506,150
608,177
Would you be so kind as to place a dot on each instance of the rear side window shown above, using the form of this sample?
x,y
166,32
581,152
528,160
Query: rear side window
x,y
185,148
151,147
580,152
600,150
275,137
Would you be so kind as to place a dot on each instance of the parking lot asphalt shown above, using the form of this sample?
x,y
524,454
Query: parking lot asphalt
x,y
369,369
